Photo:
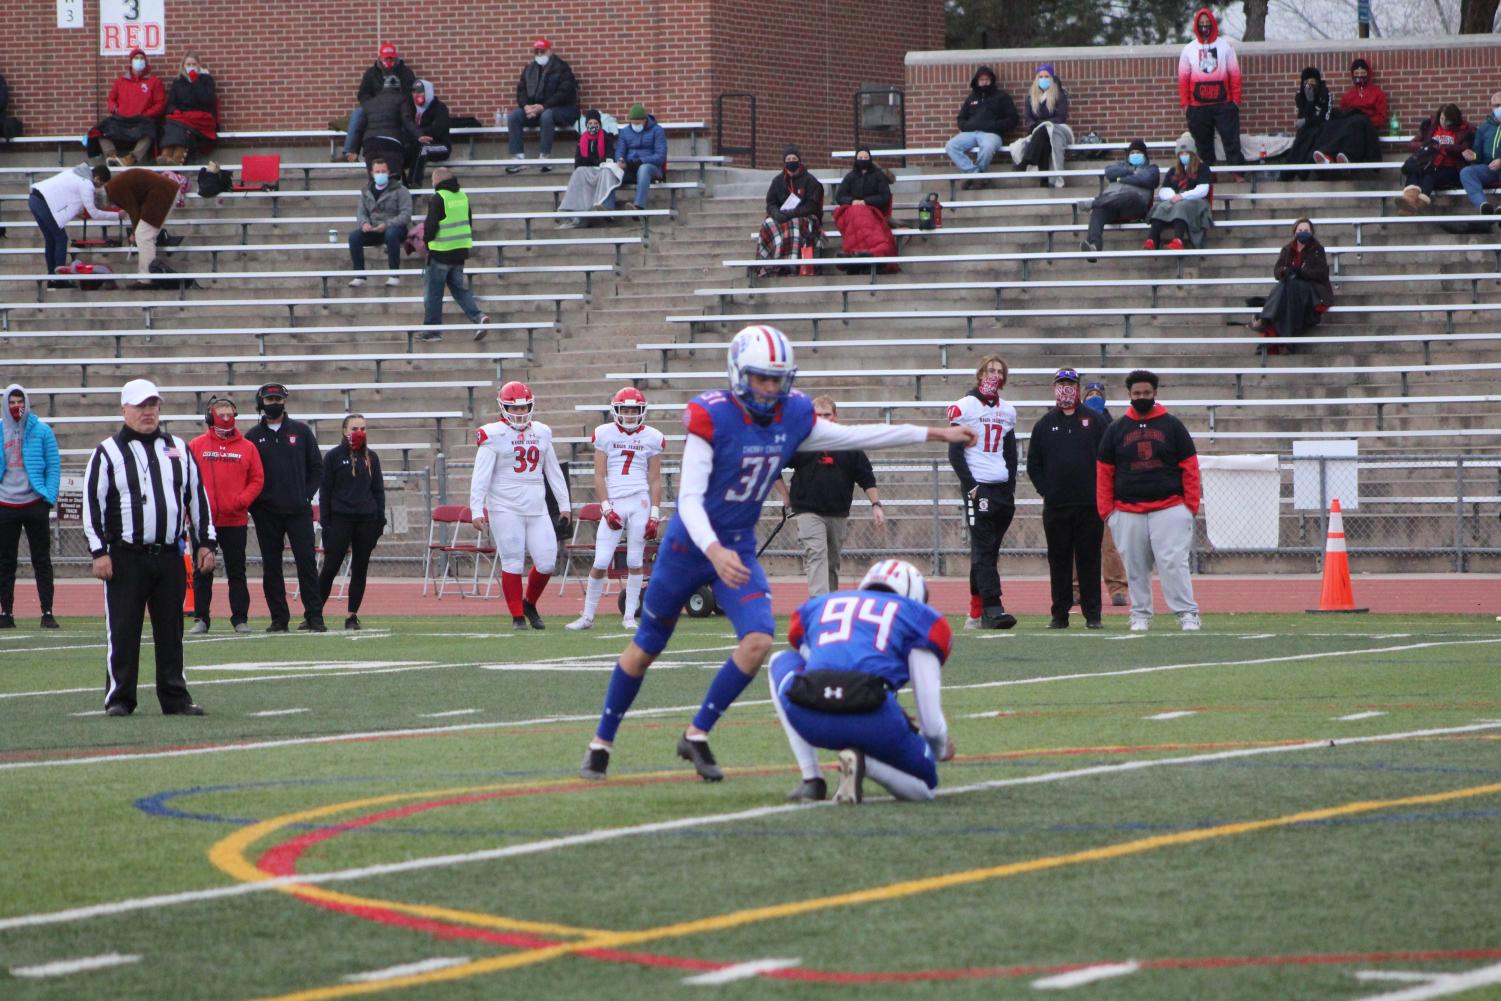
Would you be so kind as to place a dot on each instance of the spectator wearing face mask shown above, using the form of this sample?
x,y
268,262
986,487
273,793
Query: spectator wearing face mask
x,y
986,115
1353,131
390,127
1127,196
547,97
793,227
30,472
59,200
863,210
135,105
283,512
987,477
1302,293
595,176
352,511
641,151
388,66
434,143
1182,203
1437,158
192,124
1484,159
1314,107
383,218
1044,119
232,477
1209,89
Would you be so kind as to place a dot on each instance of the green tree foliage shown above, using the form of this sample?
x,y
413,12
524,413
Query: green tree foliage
x,y
1020,24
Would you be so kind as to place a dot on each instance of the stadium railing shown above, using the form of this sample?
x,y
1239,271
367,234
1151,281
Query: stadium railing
x,y
378,359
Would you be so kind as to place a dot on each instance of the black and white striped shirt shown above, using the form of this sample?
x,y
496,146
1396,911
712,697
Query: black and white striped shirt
x,y
138,490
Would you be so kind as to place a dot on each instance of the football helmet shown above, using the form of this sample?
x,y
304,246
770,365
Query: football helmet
x,y
898,577
516,404
760,350
628,407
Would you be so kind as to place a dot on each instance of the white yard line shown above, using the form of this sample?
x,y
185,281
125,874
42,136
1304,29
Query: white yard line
x,y
1399,976
407,969
1356,716
281,712
63,967
1445,985
740,971
1175,714
1088,975
683,823
451,712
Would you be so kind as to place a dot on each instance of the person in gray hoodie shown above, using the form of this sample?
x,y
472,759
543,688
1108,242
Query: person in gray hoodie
x,y
384,216
1126,197
29,475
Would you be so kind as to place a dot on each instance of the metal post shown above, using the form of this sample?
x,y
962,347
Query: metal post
x,y
1459,514
440,465
937,527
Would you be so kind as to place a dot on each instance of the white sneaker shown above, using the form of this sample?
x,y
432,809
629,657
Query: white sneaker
x,y
971,623
392,281
356,283
1058,182
1189,622
629,622
851,788
1140,625
580,624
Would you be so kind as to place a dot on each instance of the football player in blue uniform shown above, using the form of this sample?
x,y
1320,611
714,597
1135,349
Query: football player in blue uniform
x,y
836,688
738,441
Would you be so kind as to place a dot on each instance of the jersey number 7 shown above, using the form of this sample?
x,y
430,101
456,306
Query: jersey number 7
x,y
842,612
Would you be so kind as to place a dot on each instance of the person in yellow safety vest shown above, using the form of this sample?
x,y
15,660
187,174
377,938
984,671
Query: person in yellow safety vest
x,y
448,233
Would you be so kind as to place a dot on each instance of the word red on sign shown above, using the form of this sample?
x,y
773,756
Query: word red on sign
x,y
123,38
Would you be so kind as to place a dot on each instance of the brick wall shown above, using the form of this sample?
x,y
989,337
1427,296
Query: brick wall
x,y
1129,93
282,64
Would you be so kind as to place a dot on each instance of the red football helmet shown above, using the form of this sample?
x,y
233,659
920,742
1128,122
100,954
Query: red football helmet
x,y
628,407
516,404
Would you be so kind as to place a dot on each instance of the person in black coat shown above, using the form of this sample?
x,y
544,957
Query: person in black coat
x,y
390,128
1314,108
547,98
352,511
387,66
986,115
792,228
863,212
283,512
192,123
434,143
1061,465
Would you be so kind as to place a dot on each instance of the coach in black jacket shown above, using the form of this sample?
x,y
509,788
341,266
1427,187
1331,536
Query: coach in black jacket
x,y
283,512
1061,465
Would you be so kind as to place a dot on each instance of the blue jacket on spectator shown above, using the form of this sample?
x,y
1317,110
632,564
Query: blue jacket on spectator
x,y
1487,145
38,449
647,146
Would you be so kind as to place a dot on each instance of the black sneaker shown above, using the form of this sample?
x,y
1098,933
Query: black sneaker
x,y
998,618
118,709
533,619
809,791
353,622
187,709
1058,624
596,763
312,626
430,336
515,168
518,622
1488,208
1093,624
698,754
851,788
7,620
545,169
277,627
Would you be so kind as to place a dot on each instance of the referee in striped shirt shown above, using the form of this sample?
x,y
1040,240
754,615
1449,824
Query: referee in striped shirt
x,y
142,496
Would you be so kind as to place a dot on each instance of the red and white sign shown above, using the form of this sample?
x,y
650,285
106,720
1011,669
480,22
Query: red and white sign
x,y
126,25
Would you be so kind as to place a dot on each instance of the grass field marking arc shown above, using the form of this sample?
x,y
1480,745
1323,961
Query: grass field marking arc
x,y
884,893
457,728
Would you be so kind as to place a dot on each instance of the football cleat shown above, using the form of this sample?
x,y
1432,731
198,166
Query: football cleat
x,y
516,404
851,788
533,619
596,763
580,624
809,791
629,622
697,753
628,407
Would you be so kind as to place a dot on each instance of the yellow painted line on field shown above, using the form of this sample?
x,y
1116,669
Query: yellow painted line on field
x,y
877,894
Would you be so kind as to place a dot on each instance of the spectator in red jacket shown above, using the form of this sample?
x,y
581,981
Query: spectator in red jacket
x,y
1437,158
1209,89
232,478
135,106
1364,96
1353,131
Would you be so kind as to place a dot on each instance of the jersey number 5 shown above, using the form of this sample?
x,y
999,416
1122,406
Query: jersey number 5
x,y
526,459
756,475
842,613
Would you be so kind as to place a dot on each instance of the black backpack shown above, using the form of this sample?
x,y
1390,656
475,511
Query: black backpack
x,y
212,183
163,276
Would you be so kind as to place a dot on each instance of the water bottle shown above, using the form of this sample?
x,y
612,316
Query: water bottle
x,y
333,236
1394,127
1262,158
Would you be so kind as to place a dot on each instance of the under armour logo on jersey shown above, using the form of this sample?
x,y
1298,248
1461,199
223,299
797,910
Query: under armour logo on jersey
x,y
833,693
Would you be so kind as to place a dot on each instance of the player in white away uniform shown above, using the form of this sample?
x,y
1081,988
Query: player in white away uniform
x,y
515,453
628,482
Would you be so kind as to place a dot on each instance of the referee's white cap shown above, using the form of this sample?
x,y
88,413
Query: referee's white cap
x,y
138,391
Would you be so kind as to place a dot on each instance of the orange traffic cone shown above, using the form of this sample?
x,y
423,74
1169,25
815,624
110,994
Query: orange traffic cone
x,y
187,600
1336,595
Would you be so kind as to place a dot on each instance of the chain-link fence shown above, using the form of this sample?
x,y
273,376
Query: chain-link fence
x,y
1419,513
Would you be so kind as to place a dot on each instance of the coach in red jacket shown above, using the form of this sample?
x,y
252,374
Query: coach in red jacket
x,y
232,478
1147,491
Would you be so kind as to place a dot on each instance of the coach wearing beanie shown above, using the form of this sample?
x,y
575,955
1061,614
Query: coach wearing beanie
x,y
283,512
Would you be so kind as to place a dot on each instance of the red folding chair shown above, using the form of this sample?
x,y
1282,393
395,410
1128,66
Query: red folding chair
x,y
259,173
445,539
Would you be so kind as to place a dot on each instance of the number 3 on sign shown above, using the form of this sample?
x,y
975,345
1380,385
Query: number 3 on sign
x,y
70,13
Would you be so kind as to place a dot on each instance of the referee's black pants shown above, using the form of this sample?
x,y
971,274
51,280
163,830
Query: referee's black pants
x,y
144,582
1075,535
271,528
990,513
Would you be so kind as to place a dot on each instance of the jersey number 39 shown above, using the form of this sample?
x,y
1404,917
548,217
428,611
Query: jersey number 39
x,y
526,459
842,612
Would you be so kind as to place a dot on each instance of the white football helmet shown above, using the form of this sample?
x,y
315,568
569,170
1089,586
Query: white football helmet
x,y
761,350
898,577
516,404
628,407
